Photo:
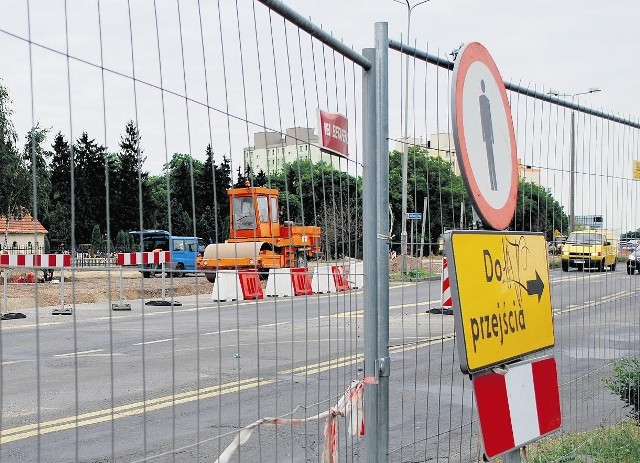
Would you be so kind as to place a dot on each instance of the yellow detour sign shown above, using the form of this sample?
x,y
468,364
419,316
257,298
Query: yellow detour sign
x,y
636,170
501,299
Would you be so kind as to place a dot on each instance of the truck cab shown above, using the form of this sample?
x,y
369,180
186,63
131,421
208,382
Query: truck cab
x,y
254,213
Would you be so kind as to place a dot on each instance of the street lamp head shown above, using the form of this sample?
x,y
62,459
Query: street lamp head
x,y
556,93
409,5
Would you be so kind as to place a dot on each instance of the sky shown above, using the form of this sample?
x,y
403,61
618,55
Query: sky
x,y
253,72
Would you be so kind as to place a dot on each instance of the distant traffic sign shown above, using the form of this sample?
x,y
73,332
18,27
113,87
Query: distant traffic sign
x,y
484,137
636,170
501,298
414,216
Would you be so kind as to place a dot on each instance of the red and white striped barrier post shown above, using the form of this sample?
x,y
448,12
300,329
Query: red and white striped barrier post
x,y
517,405
447,303
43,261
141,258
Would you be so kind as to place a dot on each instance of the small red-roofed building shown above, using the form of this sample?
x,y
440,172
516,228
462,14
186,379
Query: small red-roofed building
x,y
25,235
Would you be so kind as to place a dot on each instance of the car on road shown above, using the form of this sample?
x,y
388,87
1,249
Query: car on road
x,y
588,249
632,263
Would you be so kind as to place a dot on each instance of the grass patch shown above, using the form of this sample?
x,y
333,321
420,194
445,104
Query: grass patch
x,y
614,444
414,275
555,261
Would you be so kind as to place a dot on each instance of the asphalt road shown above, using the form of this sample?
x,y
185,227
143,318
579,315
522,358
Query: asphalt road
x,y
103,386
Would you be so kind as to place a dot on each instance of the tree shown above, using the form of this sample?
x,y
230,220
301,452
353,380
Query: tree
x,y
243,178
318,194
212,201
433,181
128,177
631,235
182,171
123,242
261,179
15,182
34,151
60,196
96,239
90,181
538,211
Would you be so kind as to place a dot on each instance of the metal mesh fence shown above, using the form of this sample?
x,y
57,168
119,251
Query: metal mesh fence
x,y
594,317
194,120
242,307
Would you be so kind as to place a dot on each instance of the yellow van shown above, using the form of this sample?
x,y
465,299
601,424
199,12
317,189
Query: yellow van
x,y
590,248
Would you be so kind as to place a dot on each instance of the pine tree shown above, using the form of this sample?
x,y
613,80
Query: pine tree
x,y
223,182
90,179
60,195
183,171
125,207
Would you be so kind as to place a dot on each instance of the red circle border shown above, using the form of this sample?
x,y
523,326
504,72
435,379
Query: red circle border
x,y
498,219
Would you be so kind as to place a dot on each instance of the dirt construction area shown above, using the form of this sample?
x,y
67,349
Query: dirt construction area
x,y
98,285
90,286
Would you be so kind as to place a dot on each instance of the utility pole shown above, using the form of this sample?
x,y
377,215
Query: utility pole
x,y
572,154
405,144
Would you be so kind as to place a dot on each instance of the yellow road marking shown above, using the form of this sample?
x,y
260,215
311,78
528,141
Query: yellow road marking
x,y
360,313
137,408
351,359
609,298
99,416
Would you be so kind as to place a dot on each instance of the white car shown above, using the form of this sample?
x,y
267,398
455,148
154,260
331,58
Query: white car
x,y
632,263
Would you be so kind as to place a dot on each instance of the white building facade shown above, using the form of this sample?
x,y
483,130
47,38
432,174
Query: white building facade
x,y
271,150
443,146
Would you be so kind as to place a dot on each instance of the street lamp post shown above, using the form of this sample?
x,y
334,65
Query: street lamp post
x,y
405,144
572,150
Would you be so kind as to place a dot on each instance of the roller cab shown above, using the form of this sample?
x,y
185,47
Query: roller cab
x,y
256,238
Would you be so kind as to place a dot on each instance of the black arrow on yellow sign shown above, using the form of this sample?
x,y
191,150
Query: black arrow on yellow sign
x,y
535,286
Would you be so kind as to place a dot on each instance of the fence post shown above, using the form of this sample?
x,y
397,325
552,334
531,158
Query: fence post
x,y
382,148
370,256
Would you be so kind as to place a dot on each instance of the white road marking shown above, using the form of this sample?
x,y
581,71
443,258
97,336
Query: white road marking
x,y
72,354
154,342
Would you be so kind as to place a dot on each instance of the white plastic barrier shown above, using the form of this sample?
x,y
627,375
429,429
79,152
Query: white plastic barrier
x,y
279,283
322,281
356,274
227,287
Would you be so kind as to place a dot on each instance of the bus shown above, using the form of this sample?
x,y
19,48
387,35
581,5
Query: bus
x,y
184,250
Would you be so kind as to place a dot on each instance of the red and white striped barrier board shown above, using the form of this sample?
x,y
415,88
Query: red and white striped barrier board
x,y
447,303
136,258
519,406
35,260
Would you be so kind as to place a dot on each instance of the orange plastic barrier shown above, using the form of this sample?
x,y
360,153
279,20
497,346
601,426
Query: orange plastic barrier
x,y
250,284
342,284
301,280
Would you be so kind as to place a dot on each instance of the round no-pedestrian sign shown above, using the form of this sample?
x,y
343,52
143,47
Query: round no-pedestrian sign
x,y
484,137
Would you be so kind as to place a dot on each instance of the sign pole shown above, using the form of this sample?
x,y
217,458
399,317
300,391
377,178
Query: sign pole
x,y
163,280
62,289
5,303
121,290
512,457
424,224
510,269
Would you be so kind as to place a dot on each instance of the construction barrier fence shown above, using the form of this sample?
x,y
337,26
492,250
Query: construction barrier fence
x,y
282,296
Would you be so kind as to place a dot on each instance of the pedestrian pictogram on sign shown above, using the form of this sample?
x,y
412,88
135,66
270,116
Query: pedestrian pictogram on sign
x,y
484,136
513,317
519,406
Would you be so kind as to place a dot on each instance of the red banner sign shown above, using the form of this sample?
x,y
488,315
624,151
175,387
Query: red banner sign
x,y
334,132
